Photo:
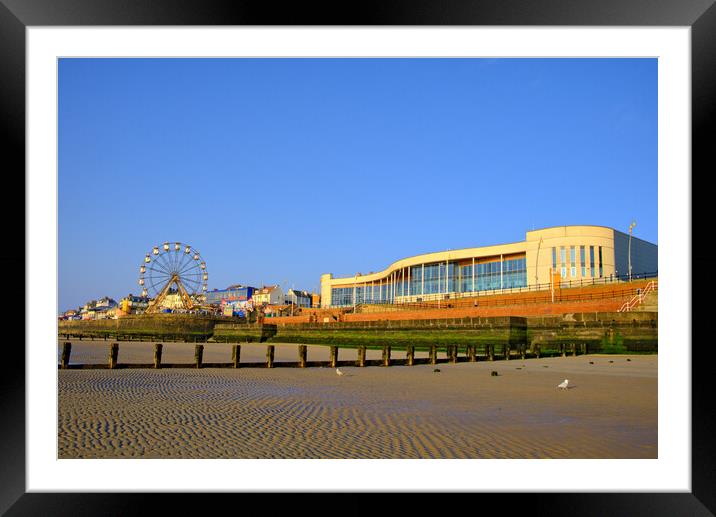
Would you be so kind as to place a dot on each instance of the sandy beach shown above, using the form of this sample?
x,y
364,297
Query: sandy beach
x,y
374,412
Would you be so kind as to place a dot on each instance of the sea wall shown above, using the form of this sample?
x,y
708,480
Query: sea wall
x,y
419,333
165,326
602,332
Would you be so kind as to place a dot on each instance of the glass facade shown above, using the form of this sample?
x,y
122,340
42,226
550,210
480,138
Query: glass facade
x,y
416,279
434,279
342,296
514,273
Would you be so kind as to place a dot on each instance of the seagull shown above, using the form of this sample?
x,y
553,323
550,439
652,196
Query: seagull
x,y
564,384
338,371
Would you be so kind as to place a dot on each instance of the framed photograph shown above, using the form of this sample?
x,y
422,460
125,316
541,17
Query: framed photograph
x,y
65,73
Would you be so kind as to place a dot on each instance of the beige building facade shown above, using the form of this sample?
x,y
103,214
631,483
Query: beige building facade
x,y
270,295
573,254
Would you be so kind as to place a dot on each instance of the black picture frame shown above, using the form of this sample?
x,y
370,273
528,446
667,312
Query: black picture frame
x,y
699,15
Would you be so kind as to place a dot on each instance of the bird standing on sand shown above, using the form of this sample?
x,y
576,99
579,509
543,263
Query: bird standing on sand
x,y
563,385
338,371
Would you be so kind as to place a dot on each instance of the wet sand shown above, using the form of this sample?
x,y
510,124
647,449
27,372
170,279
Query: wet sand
x,y
373,412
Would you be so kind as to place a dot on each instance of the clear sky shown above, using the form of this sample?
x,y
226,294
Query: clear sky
x,y
279,170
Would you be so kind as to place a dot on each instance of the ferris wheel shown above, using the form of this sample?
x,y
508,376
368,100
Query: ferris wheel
x,y
173,268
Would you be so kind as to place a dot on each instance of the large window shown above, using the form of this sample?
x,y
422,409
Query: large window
x,y
431,283
466,284
416,280
342,296
601,269
488,276
514,273
583,260
591,260
554,260
572,261
563,261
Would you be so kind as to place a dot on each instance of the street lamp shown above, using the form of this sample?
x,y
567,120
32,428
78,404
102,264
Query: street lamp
x,y
632,225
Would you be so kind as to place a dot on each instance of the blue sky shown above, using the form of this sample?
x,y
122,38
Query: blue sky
x,y
279,170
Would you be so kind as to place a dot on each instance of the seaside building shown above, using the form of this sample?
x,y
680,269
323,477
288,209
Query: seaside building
x,y
131,304
233,293
270,295
563,255
315,300
298,298
97,309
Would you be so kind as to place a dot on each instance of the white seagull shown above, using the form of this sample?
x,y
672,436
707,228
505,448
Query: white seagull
x,y
564,384
338,371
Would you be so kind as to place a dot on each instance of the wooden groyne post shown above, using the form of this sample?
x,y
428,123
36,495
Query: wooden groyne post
x,y
198,355
334,356
157,356
269,355
490,352
361,356
386,355
302,354
452,353
113,354
433,354
410,355
236,355
66,351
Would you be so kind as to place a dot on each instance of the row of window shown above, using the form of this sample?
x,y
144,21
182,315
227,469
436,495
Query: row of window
x,y
572,265
437,278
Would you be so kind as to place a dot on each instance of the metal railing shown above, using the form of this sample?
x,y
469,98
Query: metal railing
x,y
639,297
453,299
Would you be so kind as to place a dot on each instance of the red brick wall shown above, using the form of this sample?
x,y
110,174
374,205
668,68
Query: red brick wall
x,y
604,298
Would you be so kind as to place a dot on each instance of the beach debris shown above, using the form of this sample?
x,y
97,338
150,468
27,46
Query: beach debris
x,y
591,362
564,385
518,368
611,361
338,371
436,370
493,373
628,359
545,366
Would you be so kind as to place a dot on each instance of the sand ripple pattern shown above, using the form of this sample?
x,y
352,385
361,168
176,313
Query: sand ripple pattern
x,y
396,412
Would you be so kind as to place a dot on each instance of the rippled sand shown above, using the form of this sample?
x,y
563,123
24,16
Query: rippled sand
x,y
372,412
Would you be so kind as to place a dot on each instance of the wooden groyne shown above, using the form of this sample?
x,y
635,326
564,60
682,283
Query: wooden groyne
x,y
435,354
